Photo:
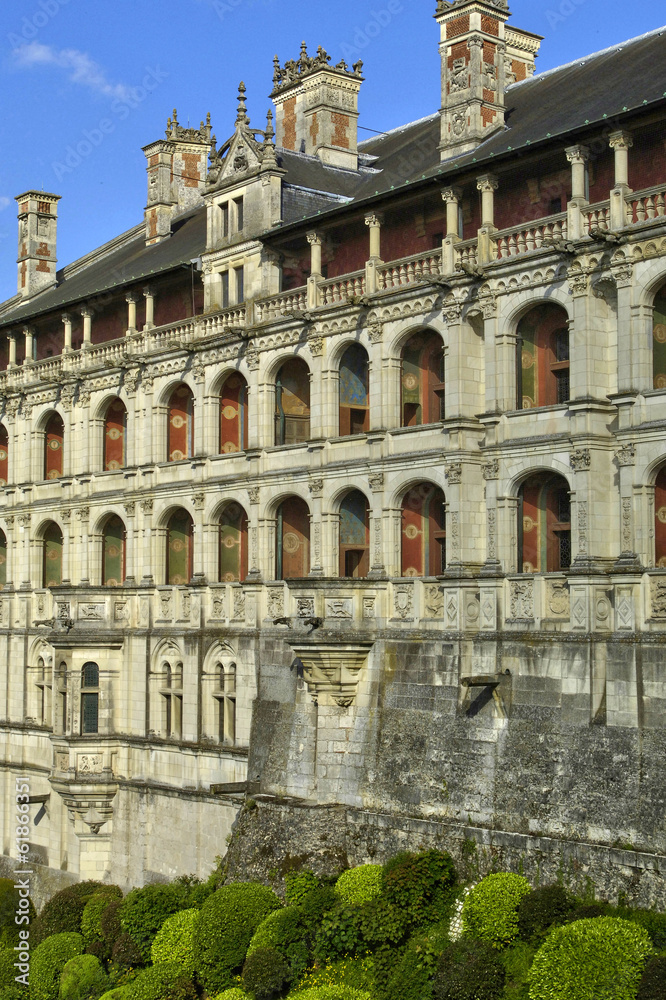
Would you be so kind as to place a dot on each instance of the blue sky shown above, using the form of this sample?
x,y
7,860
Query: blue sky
x,y
66,66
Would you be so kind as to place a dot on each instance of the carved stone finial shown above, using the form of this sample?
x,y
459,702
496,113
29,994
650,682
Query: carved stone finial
x,y
241,117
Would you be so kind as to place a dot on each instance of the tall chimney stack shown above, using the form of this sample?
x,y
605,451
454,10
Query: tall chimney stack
x,y
38,224
316,107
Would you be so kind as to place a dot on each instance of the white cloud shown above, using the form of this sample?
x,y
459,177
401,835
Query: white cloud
x,y
4,202
79,66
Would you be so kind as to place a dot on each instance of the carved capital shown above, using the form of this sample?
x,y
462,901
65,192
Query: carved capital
x,y
253,493
374,219
620,139
491,469
313,238
626,455
487,182
316,487
132,297
577,154
376,482
453,472
451,194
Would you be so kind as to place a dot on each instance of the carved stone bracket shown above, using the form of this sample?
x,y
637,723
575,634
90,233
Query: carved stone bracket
x,y
331,670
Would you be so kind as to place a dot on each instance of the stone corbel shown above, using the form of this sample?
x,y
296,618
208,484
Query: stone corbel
x,y
331,670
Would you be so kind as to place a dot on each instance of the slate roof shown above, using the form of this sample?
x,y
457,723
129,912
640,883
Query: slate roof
x,y
606,85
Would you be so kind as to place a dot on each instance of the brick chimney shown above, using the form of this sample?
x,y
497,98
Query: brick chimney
x,y
177,168
480,59
316,107
38,223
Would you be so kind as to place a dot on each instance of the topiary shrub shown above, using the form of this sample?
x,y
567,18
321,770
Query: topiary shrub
x,y
224,929
143,911
163,982
284,931
62,914
109,923
654,924
48,960
118,993
125,953
92,913
489,912
359,885
652,985
602,956
298,885
9,905
174,940
420,884
7,970
339,934
541,908
517,960
469,970
14,992
83,978
196,891
587,911
265,973
314,905
358,973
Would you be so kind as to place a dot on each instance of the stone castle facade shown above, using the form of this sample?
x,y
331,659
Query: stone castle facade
x,y
340,481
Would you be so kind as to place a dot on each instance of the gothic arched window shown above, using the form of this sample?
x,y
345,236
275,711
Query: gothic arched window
x,y
543,357
180,435
115,431
422,379
354,411
423,548
544,524
233,415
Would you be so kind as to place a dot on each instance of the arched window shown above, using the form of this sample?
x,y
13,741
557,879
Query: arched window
x,y
180,436
89,698
4,456
544,524
180,532
225,697
113,552
54,435
423,531
354,536
171,696
293,540
3,560
233,415
354,412
115,428
660,519
543,357
52,556
292,403
422,379
659,340
233,544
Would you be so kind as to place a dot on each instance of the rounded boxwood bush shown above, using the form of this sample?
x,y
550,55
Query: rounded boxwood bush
x,y
15,992
469,970
359,885
224,929
283,930
83,978
420,884
600,956
143,911
109,923
48,960
9,904
489,912
265,973
298,885
541,908
125,953
653,981
92,913
162,982
313,907
174,941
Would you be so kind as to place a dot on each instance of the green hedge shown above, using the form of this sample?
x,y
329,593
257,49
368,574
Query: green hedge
x,y
224,928
339,934
359,885
91,918
541,908
83,978
600,956
63,912
489,912
175,940
653,981
235,993
48,960
265,973
7,971
298,885
143,911
283,930
162,982
331,993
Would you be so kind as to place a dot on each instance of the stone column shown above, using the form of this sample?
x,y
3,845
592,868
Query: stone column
x,y
87,328
577,157
630,507
201,537
67,323
451,196
487,184
377,558
314,239
29,335
374,221
131,544
131,299
149,295
11,337
507,534
148,553
316,568
621,142
492,564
